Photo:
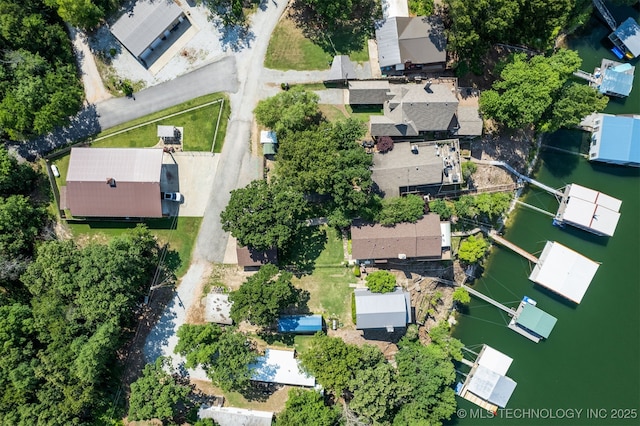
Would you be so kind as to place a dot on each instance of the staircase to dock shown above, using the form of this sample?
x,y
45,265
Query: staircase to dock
x,y
587,76
606,15
525,178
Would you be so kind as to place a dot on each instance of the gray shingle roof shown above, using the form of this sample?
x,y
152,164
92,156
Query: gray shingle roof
x,y
368,92
342,68
419,40
138,28
382,310
420,239
469,121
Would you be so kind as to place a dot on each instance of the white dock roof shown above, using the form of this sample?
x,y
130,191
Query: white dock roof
x,y
591,209
277,366
564,271
495,360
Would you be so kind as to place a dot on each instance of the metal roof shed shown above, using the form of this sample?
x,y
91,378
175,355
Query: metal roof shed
x,y
536,320
382,310
564,271
145,23
277,366
300,324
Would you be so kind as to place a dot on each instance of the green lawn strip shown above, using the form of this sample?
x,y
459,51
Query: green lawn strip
x,y
328,284
331,112
222,126
289,49
180,237
363,113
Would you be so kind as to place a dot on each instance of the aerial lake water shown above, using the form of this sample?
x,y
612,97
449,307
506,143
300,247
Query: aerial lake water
x,y
588,371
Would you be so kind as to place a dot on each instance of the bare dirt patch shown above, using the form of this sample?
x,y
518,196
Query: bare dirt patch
x,y
267,398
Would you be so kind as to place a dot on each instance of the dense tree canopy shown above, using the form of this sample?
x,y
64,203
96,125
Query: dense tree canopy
x,y
20,224
289,111
527,88
15,178
39,85
377,393
472,249
576,102
263,215
307,407
225,355
61,344
85,14
156,393
263,296
409,208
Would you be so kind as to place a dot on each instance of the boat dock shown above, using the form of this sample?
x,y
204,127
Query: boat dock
x,y
498,239
487,299
512,325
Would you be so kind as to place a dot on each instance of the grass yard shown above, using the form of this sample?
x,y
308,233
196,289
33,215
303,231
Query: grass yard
x,y
331,112
320,252
289,49
180,236
362,113
199,126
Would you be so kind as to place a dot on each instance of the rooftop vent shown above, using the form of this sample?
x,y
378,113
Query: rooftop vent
x,y
111,182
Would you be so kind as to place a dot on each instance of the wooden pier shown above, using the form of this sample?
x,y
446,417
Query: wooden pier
x,y
498,239
487,299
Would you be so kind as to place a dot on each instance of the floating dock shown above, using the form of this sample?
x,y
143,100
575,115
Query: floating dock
x,y
487,385
589,210
611,78
532,322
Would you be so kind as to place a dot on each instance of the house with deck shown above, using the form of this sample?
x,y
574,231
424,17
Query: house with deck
x,y
382,310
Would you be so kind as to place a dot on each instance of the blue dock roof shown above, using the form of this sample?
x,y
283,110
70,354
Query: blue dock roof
x,y
617,80
300,324
620,140
629,33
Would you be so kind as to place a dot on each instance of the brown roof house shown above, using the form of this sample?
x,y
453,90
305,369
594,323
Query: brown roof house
x,y
114,182
420,240
250,258
411,43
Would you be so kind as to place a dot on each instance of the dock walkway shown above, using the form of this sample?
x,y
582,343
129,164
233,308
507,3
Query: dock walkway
x,y
486,298
498,239
525,178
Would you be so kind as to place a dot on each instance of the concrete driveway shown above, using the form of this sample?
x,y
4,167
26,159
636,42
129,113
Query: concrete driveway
x,y
191,174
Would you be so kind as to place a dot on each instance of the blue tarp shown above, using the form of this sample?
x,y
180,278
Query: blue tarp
x,y
620,140
300,324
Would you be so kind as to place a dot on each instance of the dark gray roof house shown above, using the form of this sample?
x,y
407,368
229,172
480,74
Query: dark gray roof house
x,y
416,108
405,42
143,28
342,69
114,182
369,92
382,310
421,240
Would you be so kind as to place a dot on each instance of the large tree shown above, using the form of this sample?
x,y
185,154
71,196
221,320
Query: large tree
x,y
263,215
156,393
20,225
409,208
527,88
381,281
289,111
377,393
263,296
473,249
225,355
576,102
307,407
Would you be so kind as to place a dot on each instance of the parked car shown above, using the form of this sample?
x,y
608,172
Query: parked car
x,y
173,196
55,171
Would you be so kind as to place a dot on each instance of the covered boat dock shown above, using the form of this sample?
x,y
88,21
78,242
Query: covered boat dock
x,y
564,271
532,322
589,210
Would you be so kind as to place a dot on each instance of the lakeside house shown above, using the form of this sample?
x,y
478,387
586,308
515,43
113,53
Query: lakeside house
x,y
382,310
375,243
252,259
114,183
616,140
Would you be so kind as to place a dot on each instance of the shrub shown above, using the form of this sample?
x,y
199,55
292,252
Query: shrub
x,y
356,270
461,295
381,282
468,168
384,144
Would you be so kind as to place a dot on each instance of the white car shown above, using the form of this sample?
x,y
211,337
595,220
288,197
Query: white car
x,y
173,196
55,171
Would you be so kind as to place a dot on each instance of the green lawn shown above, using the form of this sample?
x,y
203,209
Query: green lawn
x,y
199,126
289,49
180,235
319,251
331,112
362,113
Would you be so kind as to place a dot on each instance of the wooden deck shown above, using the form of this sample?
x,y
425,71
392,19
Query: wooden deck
x,y
498,239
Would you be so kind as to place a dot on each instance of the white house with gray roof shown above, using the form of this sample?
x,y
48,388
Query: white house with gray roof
x,y
382,310
145,28
406,43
